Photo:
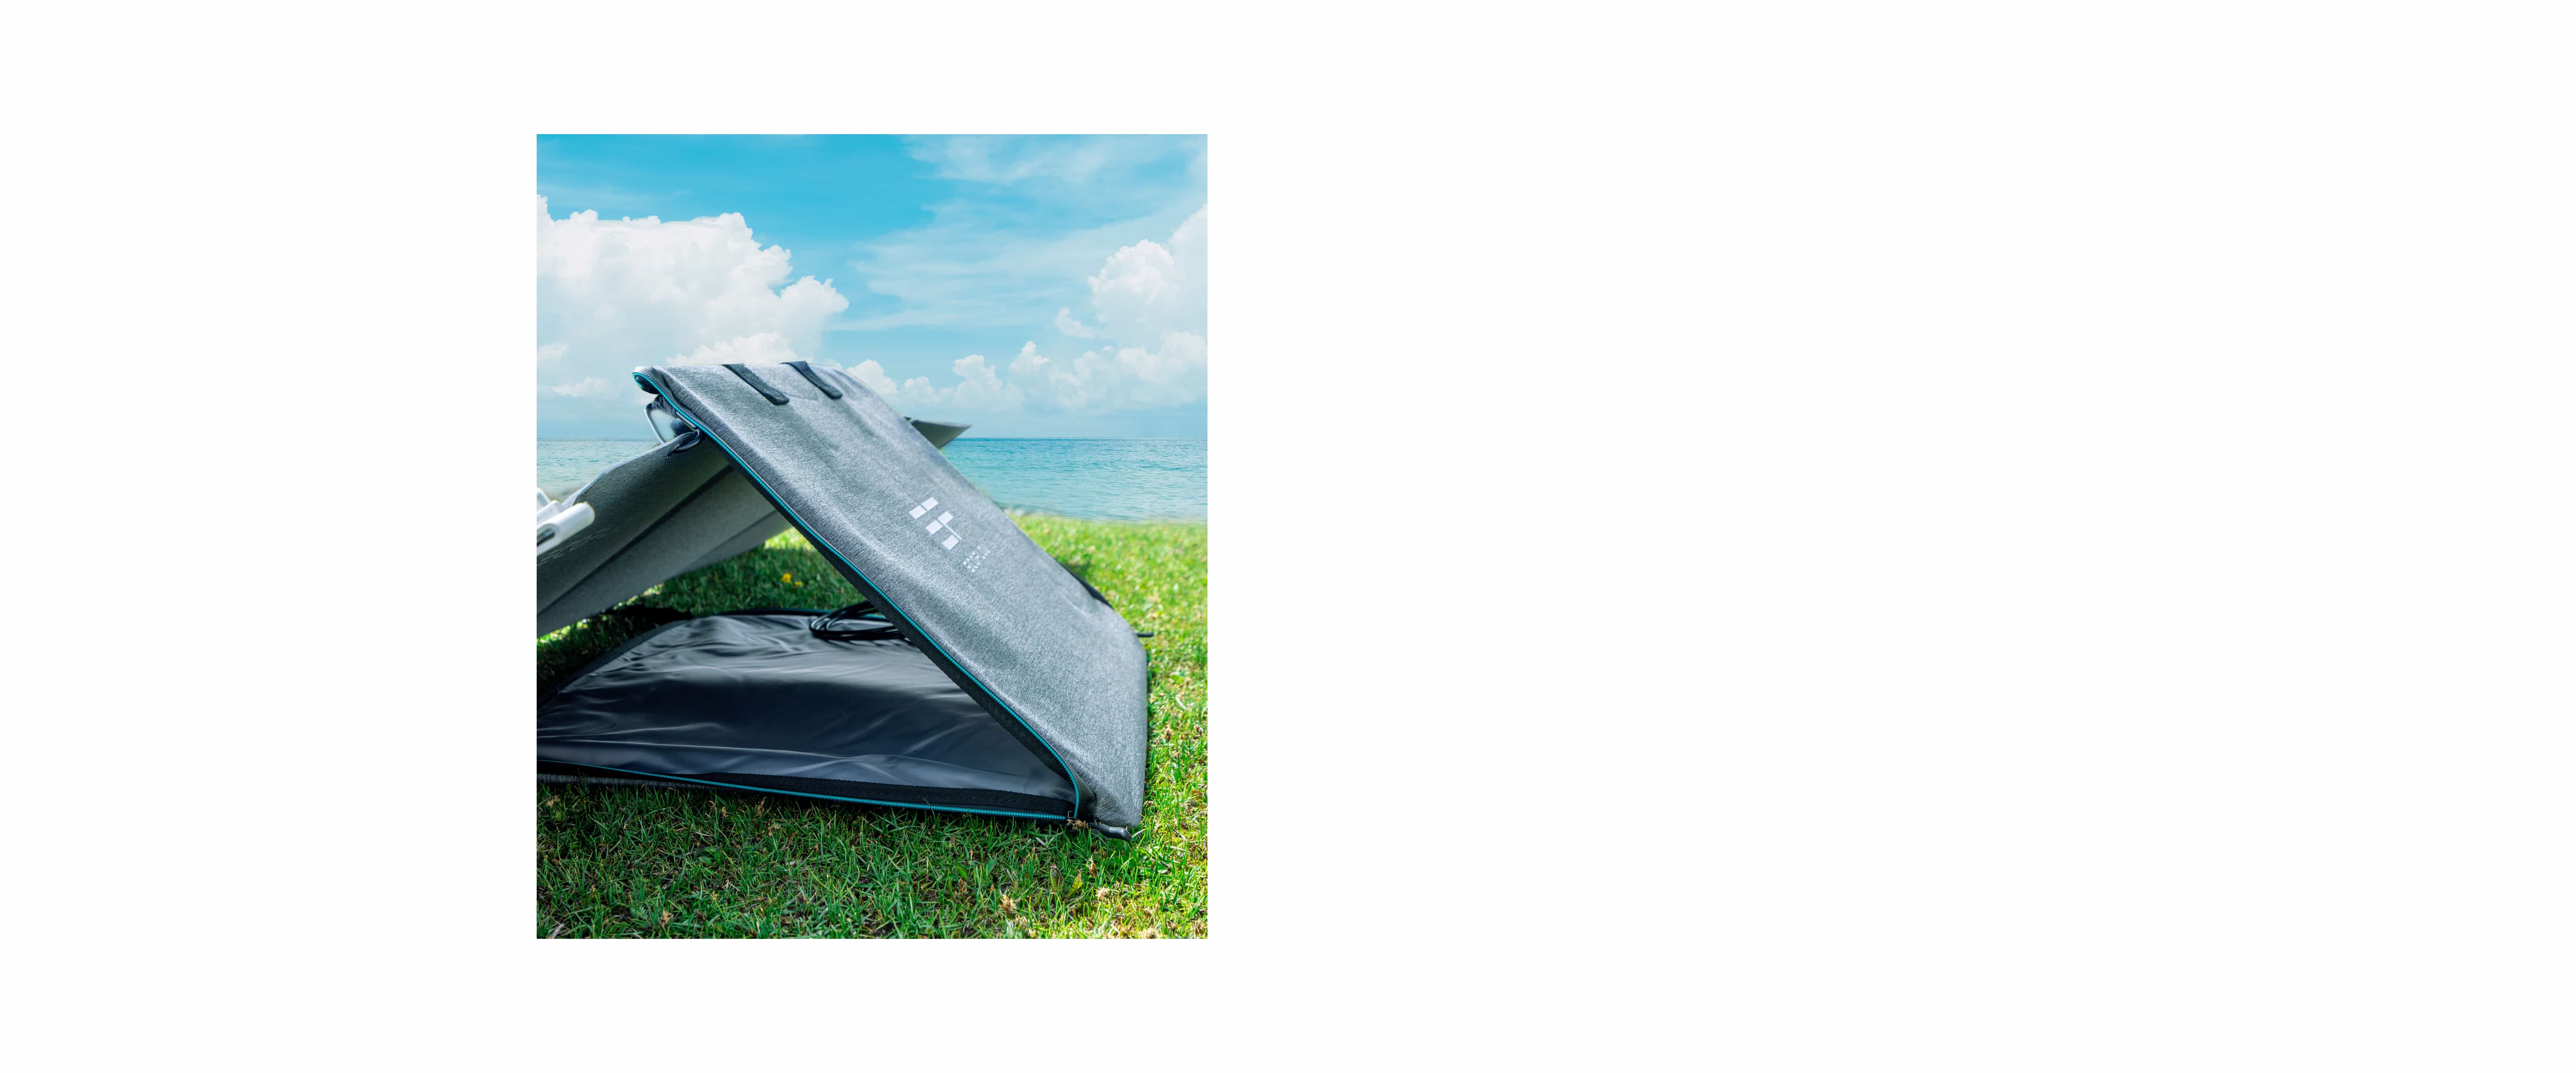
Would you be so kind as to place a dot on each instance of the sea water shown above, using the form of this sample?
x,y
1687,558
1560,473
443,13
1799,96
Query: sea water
x,y
1117,480
565,465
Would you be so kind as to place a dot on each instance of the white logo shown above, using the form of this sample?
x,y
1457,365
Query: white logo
x,y
936,524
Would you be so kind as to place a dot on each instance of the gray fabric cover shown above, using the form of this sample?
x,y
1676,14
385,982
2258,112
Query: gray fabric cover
x,y
1009,624
660,514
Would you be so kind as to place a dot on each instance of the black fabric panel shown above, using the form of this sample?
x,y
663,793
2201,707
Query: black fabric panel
x,y
760,696
611,656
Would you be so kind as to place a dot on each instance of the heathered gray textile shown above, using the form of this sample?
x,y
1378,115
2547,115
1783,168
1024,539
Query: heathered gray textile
x,y
1023,631
604,564
595,568
715,512
759,532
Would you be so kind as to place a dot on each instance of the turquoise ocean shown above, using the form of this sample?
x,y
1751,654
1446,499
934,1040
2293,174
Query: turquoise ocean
x,y
1114,480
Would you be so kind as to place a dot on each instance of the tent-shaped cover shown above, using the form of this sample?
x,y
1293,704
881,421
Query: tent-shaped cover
x,y
984,677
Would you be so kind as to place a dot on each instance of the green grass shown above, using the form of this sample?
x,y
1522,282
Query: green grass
x,y
623,861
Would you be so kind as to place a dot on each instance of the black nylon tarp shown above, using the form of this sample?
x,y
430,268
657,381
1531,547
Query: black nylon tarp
x,y
754,700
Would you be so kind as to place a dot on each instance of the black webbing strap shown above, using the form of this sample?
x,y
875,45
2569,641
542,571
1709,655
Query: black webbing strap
x,y
816,379
766,391
830,625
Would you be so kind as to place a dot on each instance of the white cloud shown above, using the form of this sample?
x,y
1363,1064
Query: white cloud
x,y
615,294
1084,163
1148,289
766,348
1149,302
874,376
990,262
968,270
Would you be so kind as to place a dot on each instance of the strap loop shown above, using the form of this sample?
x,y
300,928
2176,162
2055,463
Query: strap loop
x,y
815,378
828,626
766,391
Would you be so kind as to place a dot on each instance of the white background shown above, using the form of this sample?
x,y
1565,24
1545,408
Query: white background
x,y
1988,538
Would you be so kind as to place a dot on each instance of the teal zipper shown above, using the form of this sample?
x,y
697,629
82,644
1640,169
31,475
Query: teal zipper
x,y
828,797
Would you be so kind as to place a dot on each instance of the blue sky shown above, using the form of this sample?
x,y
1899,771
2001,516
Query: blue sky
x,y
1034,286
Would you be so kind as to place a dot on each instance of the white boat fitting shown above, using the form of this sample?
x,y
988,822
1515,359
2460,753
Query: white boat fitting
x,y
556,521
